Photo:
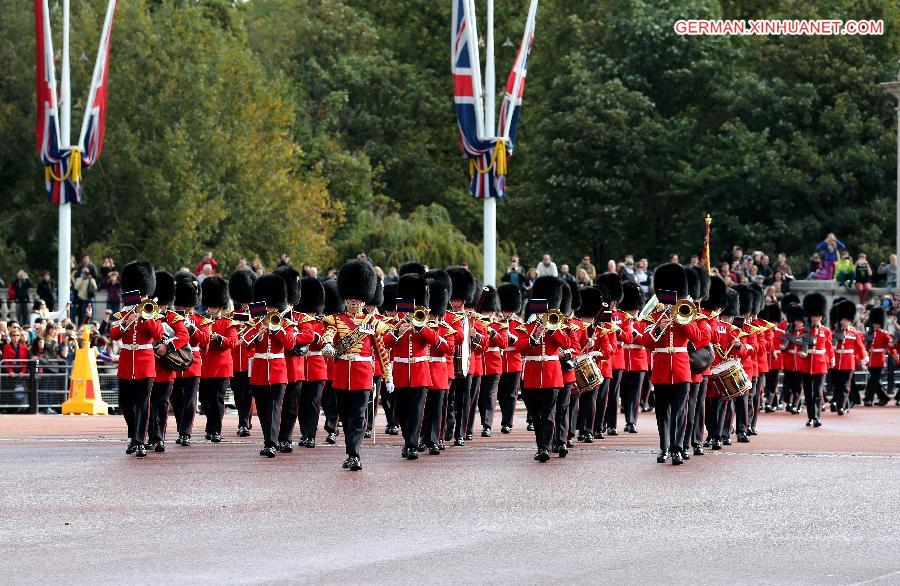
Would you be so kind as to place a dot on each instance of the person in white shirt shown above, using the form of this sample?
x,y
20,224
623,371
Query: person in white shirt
x,y
547,267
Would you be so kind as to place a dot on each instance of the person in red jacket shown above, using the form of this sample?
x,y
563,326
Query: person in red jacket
x,y
727,346
312,305
541,346
794,359
479,349
698,289
16,349
137,331
217,365
440,361
878,343
607,419
462,290
818,355
269,340
176,338
738,410
508,386
671,375
240,289
355,339
849,351
636,362
497,339
570,297
334,305
772,314
388,310
187,382
596,340
378,378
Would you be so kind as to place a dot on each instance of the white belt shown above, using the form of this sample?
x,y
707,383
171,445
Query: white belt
x,y
814,351
873,350
595,354
633,347
412,360
494,350
316,353
354,358
510,349
268,355
670,350
843,351
195,348
540,358
135,347
438,359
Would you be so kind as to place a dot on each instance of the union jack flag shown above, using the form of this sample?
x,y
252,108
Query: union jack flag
x,y
93,129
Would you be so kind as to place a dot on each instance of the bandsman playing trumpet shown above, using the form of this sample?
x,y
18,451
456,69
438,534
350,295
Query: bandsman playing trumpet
x,y
698,289
187,382
312,306
440,362
636,362
240,289
607,420
462,289
570,297
478,325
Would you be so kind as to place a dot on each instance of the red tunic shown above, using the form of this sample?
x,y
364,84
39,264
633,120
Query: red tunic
x,y
636,358
498,340
776,356
411,354
303,334
441,360
356,371
541,357
199,340
822,353
621,338
705,329
476,360
182,339
137,359
726,346
671,364
315,363
241,353
267,365
878,348
217,358
849,351
512,360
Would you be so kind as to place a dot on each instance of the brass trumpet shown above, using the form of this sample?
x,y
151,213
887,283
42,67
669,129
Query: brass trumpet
x,y
552,320
419,317
685,311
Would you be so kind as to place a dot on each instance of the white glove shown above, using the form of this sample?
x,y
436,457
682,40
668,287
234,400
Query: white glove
x,y
328,350
389,387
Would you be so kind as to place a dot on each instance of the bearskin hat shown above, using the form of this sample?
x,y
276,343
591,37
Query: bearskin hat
x,y
632,296
510,297
876,316
411,268
442,276
213,292
732,303
794,312
670,277
704,281
745,295
413,286
759,298
491,301
462,283
312,295
356,280
271,289
138,275
333,301
846,309
613,283
576,293
438,296
716,298
187,289
771,312
165,288
549,288
593,300
389,295
565,304
378,300
292,280
476,294
814,304
240,286
693,281
787,300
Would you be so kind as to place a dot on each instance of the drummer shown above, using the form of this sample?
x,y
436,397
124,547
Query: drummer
x,y
727,350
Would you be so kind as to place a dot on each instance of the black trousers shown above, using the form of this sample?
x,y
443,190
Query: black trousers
x,y
457,407
137,406
632,381
587,406
791,387
715,418
841,381
268,409
772,398
812,394
610,420
389,404
648,398
352,409
474,400
212,397
184,403
290,409
696,435
487,399
597,416
372,407
411,411
434,411
670,420
574,403
561,420
738,409
690,406
159,410
507,393
542,405
310,403
873,385
243,399
330,408
756,400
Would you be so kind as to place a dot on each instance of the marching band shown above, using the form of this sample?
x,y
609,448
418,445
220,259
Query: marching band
x,y
439,349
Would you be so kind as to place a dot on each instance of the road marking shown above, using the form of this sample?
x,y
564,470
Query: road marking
x,y
877,578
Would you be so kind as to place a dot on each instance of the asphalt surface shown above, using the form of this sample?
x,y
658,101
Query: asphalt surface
x,y
796,505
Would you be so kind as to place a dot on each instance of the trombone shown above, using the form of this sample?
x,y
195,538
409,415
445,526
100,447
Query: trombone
x,y
272,321
552,320
147,309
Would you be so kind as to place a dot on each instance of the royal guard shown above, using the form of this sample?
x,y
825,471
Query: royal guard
x,y
137,327
377,380
334,305
772,314
312,307
508,387
597,340
764,340
794,360
738,410
698,290
240,289
496,341
269,338
570,297
607,421
849,350
355,340
668,339
819,354
388,310
174,342
727,346
479,347
217,366
878,343
636,362
440,361
462,289
187,382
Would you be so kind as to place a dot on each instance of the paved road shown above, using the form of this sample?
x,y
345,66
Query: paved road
x,y
795,506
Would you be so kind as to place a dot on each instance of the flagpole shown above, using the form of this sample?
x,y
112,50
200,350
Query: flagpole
x,y
65,208
490,203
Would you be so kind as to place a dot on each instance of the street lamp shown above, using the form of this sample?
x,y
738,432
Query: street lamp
x,y
893,88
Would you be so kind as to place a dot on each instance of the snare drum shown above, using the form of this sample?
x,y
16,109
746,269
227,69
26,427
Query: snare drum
x,y
587,375
729,379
